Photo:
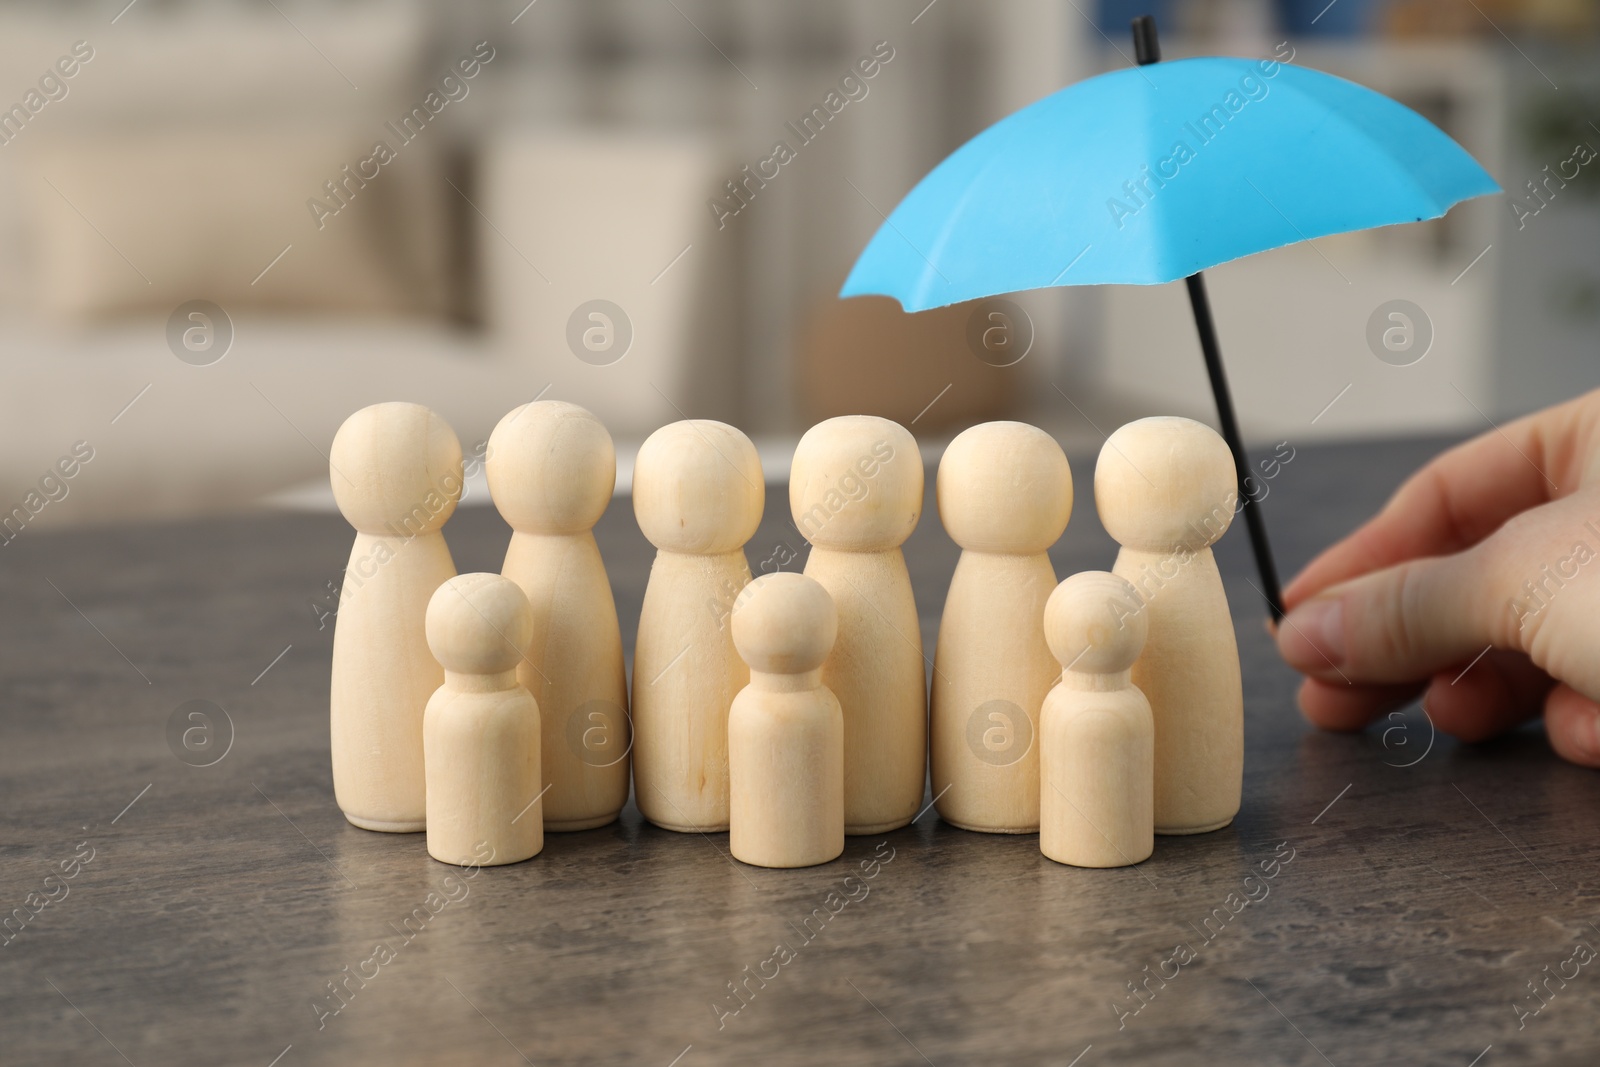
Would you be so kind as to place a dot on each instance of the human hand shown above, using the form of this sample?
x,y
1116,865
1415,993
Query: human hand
x,y
1492,550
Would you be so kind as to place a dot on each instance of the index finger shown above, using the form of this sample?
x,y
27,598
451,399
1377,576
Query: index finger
x,y
1457,499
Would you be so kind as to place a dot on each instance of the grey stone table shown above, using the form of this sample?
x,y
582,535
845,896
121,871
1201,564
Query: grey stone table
x,y
1386,898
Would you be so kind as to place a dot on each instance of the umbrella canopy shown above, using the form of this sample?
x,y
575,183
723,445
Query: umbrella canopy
x,y
1154,173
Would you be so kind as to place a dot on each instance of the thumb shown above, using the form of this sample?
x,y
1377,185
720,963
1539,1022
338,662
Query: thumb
x,y
1528,587
1400,624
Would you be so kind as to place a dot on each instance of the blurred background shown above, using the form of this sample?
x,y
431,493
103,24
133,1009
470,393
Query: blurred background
x,y
224,226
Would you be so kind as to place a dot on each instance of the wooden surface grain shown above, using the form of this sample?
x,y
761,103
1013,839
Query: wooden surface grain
x,y
1406,889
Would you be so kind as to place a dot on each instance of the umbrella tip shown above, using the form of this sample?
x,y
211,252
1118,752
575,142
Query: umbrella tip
x,y
1146,46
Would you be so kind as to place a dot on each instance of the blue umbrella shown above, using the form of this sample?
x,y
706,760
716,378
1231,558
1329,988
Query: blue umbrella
x,y
1153,173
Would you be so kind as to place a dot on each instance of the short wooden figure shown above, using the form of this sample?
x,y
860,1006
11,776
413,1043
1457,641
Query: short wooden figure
x,y
698,493
785,730
1005,495
1166,490
481,730
855,491
1097,736
396,475
551,468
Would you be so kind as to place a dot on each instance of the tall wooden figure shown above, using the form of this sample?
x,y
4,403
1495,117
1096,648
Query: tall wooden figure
x,y
1096,733
1166,490
1005,495
551,469
785,730
481,728
698,494
396,475
855,490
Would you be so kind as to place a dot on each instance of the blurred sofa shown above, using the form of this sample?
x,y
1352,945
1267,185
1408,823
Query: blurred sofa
x,y
226,154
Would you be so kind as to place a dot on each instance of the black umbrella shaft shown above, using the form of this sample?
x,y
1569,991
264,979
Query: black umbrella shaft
x,y
1230,432
1146,43
1147,50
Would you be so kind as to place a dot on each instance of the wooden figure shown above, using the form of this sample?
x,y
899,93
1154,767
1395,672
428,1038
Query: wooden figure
x,y
481,730
698,494
1096,733
551,468
1005,495
855,490
785,730
1166,490
396,475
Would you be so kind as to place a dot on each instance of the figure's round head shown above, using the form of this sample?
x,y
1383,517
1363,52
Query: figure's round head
x,y
1165,482
1095,623
1004,487
551,468
784,623
395,470
856,484
479,624
698,488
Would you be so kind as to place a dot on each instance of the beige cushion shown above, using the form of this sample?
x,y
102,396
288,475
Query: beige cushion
x,y
203,66
116,223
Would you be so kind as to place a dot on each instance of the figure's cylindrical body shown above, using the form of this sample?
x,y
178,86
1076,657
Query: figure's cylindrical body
x,y
575,671
991,672
698,491
786,757
855,492
1189,671
1097,765
395,471
551,468
1005,495
483,756
383,675
1166,489
876,671
686,673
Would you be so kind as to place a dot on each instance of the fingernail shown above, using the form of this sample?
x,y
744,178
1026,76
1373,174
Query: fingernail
x,y
1312,637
